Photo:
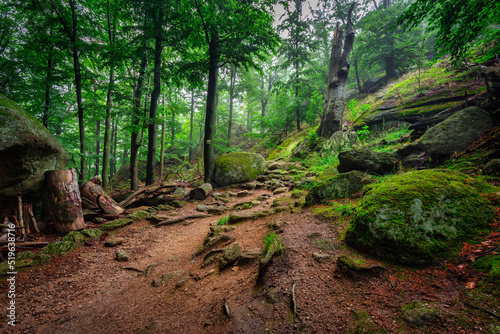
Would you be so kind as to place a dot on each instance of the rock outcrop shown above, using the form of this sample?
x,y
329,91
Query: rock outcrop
x,y
27,151
367,161
456,133
420,217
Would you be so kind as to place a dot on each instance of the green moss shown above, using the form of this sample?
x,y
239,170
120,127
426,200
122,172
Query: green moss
x,y
6,267
25,255
420,216
59,248
74,236
117,223
285,149
92,233
491,265
364,325
223,221
139,215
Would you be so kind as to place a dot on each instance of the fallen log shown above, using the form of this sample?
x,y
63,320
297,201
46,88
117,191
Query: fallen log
x,y
179,219
66,204
202,192
98,198
148,193
27,244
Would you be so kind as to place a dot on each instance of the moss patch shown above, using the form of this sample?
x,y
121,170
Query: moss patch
x,y
419,217
74,236
238,167
139,215
285,149
59,248
92,233
491,265
117,223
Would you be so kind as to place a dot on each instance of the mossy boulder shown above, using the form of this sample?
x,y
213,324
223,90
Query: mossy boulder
x,y
491,265
238,167
27,151
492,168
339,186
6,267
139,215
59,248
456,133
364,160
419,314
419,217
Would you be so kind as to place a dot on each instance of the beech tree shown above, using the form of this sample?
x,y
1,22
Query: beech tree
x,y
233,32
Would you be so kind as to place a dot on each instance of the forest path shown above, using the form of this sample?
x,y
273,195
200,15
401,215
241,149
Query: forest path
x,y
88,291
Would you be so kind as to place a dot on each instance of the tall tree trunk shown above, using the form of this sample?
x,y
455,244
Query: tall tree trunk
x,y
232,80
208,149
389,67
162,144
97,146
153,129
114,149
78,86
105,157
191,119
360,88
172,130
338,72
135,143
48,87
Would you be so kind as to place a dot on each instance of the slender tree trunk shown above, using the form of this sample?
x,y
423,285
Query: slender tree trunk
x,y
360,88
338,72
208,149
48,87
389,67
105,157
191,119
162,144
97,146
153,129
115,149
135,143
232,80
172,130
78,86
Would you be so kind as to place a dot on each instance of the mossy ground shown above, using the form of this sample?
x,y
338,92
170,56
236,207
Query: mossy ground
x,y
419,217
117,223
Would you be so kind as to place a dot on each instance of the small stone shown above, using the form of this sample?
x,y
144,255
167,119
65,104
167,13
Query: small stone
x,y
156,282
319,257
113,241
243,193
122,255
280,190
99,220
182,281
203,207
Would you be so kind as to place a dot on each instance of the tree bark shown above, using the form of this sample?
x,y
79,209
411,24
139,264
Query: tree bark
x,y
97,146
96,195
66,204
208,150
135,143
191,127
162,144
109,102
153,129
358,82
338,72
231,96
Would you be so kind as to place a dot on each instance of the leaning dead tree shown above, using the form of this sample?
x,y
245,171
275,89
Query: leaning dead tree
x,y
338,71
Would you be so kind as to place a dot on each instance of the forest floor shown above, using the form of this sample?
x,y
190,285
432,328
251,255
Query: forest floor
x,y
88,291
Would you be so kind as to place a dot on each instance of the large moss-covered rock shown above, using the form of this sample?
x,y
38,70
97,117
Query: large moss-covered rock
x,y
27,151
367,161
456,133
238,167
492,168
339,186
421,216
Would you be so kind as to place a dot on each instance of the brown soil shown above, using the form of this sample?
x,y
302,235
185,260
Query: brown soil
x,y
89,292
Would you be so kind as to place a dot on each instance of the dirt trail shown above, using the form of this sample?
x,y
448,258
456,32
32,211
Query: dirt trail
x,y
89,292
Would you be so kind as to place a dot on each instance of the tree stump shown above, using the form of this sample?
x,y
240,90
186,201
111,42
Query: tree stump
x,y
201,192
94,196
66,204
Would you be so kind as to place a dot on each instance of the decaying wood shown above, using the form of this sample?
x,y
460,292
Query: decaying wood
x,y
30,217
96,197
338,71
179,219
148,193
27,244
202,192
20,214
66,204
